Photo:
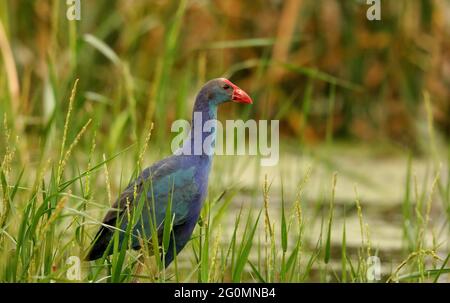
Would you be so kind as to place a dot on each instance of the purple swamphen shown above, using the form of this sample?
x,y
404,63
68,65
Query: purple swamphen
x,y
180,181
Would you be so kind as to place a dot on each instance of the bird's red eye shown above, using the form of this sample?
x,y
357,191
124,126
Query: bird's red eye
x,y
226,86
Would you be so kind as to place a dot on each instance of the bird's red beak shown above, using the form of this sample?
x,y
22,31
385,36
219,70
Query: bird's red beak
x,y
239,95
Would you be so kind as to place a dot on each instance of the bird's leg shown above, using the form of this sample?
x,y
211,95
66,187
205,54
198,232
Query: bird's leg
x,y
146,266
139,268
153,268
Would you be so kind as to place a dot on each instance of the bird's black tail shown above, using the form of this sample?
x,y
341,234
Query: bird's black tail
x,y
101,243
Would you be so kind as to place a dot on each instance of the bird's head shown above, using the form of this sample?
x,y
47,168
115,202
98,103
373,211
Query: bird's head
x,y
222,90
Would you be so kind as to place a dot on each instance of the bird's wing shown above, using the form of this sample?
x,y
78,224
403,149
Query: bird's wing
x,y
158,182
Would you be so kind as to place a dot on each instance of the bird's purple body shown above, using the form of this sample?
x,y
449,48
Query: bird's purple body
x,y
181,179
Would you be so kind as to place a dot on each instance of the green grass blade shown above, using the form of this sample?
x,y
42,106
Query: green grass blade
x,y
243,256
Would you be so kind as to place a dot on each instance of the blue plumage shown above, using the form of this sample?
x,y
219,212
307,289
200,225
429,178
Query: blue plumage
x,y
182,179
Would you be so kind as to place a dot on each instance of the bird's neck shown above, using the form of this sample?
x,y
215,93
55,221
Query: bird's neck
x,y
202,136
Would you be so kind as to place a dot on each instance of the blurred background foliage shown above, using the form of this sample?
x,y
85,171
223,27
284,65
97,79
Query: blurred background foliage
x,y
319,66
